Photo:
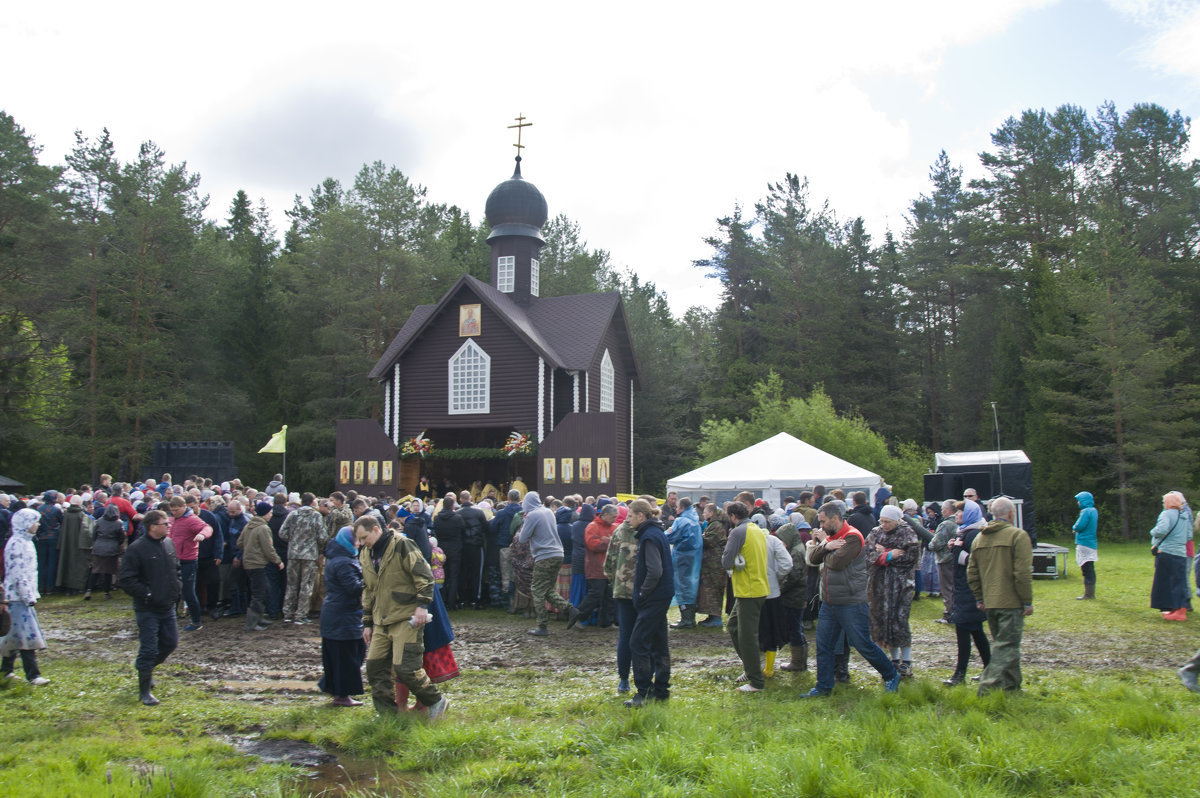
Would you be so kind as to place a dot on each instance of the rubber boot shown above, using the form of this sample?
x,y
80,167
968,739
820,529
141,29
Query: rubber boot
x,y
253,619
769,667
1089,592
799,660
841,668
402,696
687,618
144,680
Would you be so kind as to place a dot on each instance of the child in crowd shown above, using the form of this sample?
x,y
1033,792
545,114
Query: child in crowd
x,y
439,561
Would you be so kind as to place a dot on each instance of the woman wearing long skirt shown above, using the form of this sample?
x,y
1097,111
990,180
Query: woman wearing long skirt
x,y
1168,541
107,547
894,549
793,590
710,595
342,646
21,593
773,622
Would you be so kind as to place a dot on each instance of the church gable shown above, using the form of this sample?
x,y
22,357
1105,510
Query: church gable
x,y
467,366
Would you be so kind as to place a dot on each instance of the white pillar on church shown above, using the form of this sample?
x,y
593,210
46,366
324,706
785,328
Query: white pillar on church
x,y
541,378
396,405
631,436
387,407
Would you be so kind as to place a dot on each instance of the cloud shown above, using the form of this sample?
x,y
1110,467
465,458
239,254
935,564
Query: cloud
x,y
296,139
1172,43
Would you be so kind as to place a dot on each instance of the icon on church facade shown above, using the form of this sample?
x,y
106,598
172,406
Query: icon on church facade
x,y
468,320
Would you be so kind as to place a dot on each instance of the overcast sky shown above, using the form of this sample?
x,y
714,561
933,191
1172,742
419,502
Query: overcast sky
x,y
650,120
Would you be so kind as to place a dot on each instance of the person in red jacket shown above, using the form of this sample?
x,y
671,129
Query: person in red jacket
x,y
187,530
599,589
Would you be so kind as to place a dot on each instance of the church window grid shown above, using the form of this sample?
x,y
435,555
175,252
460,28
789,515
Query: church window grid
x,y
506,268
470,372
606,384
535,276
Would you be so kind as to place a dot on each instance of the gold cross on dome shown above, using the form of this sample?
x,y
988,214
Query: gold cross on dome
x,y
520,124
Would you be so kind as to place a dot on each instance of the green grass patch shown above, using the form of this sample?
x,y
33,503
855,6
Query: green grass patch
x,y
1114,722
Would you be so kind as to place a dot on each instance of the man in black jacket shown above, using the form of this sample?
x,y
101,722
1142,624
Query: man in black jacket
x,y
448,525
861,517
475,525
150,574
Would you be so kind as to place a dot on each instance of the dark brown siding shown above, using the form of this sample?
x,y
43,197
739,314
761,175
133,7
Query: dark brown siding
x,y
424,383
614,341
363,439
590,435
564,394
523,250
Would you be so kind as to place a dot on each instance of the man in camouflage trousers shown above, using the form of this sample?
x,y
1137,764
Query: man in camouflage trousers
x,y
306,535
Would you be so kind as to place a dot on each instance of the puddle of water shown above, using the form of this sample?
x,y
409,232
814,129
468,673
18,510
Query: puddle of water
x,y
348,775
326,773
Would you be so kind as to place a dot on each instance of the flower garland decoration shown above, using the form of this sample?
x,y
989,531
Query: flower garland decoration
x,y
518,443
419,445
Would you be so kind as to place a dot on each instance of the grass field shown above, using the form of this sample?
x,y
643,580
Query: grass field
x,y
1102,713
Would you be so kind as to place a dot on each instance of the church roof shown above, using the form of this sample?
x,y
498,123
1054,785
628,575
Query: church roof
x,y
575,323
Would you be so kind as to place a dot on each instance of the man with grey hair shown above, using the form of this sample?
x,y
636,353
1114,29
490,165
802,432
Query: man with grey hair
x,y
1000,574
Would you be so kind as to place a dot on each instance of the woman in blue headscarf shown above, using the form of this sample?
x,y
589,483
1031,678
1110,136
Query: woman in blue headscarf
x,y
342,647
964,612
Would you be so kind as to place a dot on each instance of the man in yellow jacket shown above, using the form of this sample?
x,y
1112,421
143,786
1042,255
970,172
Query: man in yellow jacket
x,y
397,587
750,590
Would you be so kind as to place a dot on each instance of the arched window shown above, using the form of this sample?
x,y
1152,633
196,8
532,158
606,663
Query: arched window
x,y
606,384
470,380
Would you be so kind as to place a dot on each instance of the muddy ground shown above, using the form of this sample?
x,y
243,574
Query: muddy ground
x,y
286,658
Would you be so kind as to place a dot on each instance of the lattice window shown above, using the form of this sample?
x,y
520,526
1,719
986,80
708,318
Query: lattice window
x,y
506,268
606,384
470,380
535,276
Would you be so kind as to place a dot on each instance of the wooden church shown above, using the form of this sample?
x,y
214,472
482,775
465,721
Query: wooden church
x,y
494,361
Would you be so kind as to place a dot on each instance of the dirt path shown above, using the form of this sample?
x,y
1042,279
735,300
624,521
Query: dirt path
x,y
287,657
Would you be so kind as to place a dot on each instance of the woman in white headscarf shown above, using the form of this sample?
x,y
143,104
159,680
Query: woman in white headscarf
x,y
20,590
893,550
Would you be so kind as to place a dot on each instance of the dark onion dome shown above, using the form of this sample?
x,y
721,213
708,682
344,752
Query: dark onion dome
x,y
516,208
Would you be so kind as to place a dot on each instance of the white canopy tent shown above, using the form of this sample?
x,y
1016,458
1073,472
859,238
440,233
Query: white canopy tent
x,y
777,467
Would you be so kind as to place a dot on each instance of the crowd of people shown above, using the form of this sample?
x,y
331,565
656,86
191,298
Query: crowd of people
x,y
384,576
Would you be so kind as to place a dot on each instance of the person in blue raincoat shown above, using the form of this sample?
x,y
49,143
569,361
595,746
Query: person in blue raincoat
x,y
687,546
1086,542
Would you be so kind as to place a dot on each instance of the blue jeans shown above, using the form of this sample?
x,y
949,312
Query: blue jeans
x,y
855,622
157,637
187,574
626,615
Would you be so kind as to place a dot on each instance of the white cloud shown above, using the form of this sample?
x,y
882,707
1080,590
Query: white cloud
x,y
651,120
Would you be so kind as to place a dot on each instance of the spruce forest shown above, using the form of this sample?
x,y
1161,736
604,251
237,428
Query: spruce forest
x,y
1062,287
